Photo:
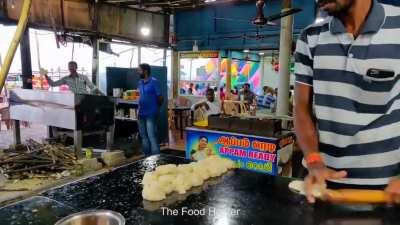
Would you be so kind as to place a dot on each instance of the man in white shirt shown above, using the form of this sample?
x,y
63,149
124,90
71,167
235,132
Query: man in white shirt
x,y
77,83
209,106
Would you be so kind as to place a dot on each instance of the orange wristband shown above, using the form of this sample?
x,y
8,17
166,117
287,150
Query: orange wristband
x,y
313,158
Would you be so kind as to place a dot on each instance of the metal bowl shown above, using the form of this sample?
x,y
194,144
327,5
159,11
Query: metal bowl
x,y
93,217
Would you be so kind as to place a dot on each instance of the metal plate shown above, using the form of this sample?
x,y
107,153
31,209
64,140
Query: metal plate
x,y
93,217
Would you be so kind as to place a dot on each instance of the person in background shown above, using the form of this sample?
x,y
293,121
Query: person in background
x,y
210,105
150,101
235,93
196,89
5,108
221,94
216,92
269,97
291,100
190,89
77,83
247,95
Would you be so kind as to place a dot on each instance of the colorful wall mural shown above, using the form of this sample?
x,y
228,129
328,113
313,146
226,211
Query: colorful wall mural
x,y
242,72
202,70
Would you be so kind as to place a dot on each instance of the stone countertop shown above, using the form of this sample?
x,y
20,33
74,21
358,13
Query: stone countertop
x,y
238,197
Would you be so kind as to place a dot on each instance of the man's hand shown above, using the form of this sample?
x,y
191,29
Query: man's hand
x,y
393,190
318,173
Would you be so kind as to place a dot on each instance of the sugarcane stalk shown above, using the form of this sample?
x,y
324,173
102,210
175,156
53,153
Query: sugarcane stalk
x,y
31,161
30,168
41,157
13,158
12,190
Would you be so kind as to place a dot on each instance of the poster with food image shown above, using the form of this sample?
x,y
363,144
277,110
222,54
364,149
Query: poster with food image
x,y
249,152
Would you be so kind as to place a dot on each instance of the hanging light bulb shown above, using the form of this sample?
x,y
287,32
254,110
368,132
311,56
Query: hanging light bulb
x,y
145,31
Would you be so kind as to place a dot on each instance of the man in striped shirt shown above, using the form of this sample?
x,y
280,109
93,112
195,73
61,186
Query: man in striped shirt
x,y
347,112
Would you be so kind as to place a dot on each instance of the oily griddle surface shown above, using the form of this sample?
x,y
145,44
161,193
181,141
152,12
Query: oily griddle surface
x,y
37,210
238,197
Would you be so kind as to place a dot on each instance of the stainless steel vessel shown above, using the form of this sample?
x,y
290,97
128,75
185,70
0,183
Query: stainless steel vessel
x,y
93,217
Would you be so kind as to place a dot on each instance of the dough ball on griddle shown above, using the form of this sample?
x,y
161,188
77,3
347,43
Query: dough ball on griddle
x,y
182,183
201,170
196,179
185,168
167,182
229,164
153,192
149,177
166,169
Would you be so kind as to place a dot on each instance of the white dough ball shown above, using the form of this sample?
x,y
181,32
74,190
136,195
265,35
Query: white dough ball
x,y
167,182
153,192
216,170
185,168
201,170
196,179
149,177
229,164
168,178
182,183
166,169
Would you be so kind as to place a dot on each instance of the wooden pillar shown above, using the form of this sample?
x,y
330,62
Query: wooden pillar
x,y
26,63
175,74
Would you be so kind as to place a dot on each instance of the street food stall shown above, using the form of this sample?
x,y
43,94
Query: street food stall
x,y
236,167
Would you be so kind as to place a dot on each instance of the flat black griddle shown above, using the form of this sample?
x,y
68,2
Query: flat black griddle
x,y
239,197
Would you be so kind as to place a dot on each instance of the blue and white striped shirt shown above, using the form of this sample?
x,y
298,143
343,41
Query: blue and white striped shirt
x,y
358,113
266,101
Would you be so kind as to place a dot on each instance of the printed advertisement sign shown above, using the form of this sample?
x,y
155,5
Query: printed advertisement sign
x,y
249,152
201,54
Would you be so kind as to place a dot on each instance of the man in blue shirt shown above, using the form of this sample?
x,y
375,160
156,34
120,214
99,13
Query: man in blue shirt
x,y
149,103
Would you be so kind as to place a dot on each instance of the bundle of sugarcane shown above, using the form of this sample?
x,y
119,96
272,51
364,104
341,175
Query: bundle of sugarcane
x,y
35,159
